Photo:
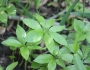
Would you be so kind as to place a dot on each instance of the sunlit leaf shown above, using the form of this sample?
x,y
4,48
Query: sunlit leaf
x,y
44,58
24,52
58,38
21,34
11,10
12,66
52,64
34,36
78,63
56,28
11,42
49,42
31,23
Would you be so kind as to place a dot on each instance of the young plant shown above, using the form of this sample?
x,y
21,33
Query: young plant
x,y
5,10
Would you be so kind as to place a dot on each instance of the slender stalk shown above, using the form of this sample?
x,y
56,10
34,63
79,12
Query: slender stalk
x,y
67,14
25,65
83,8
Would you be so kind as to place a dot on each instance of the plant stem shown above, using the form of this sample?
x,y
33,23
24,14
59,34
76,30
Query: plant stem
x,y
25,65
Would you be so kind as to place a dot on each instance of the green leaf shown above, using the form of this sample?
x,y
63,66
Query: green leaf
x,y
11,10
37,2
31,23
80,36
40,19
49,23
71,67
87,27
2,9
49,42
78,63
3,17
56,28
88,37
56,49
1,67
1,1
60,62
11,42
67,57
64,50
34,36
58,38
78,25
52,64
44,58
24,52
88,67
21,34
35,65
87,59
12,66
85,50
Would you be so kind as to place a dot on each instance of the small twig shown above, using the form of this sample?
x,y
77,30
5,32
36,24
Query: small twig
x,y
55,16
10,26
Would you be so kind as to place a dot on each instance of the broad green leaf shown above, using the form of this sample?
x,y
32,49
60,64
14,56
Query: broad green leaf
x,y
67,57
11,42
56,28
11,10
60,62
34,36
78,63
43,68
31,23
52,64
12,66
49,42
3,17
58,38
21,34
56,49
49,23
80,36
64,50
88,37
87,59
88,67
1,68
87,27
37,2
40,19
2,9
71,67
85,50
24,52
44,58
35,65
1,1
78,25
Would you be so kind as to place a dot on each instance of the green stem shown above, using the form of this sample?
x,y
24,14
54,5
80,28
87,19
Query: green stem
x,y
83,8
21,63
25,65
67,14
